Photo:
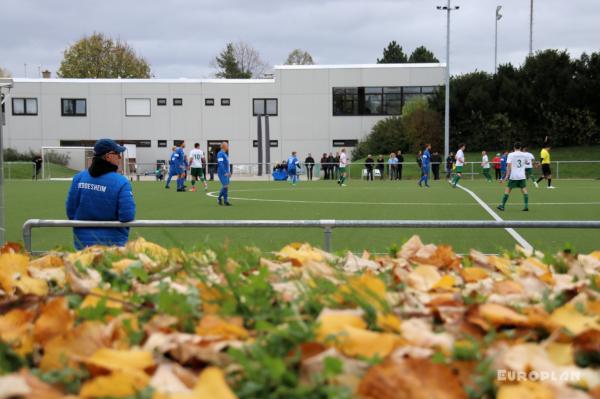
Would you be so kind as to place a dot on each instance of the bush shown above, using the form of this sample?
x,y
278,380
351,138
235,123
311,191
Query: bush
x,y
12,155
386,136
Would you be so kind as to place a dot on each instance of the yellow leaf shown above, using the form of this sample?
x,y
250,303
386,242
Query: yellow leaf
x,y
226,328
212,385
55,319
561,354
31,286
300,255
123,264
12,267
499,315
424,277
151,249
389,322
502,264
85,258
570,318
118,384
596,254
474,274
445,283
525,390
112,359
365,288
47,261
91,301
334,322
16,329
354,341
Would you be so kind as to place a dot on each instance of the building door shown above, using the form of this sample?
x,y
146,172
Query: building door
x,y
212,149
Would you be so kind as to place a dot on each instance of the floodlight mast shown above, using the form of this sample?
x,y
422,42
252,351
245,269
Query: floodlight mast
x,y
4,84
497,18
448,8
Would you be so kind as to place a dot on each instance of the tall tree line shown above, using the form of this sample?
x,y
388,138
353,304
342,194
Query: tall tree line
x,y
551,94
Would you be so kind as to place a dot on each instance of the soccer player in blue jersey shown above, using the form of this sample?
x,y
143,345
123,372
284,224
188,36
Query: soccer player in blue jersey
x,y
223,173
426,161
503,163
293,164
181,167
173,171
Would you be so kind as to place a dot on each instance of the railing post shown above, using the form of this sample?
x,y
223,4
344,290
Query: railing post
x,y
27,234
558,169
327,233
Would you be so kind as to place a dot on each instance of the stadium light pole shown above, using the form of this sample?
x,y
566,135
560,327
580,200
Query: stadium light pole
x,y
497,18
448,8
4,84
531,28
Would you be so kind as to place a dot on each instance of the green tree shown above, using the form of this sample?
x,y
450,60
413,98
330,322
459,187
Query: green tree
x,y
393,54
228,66
421,54
99,56
4,73
386,136
299,57
422,125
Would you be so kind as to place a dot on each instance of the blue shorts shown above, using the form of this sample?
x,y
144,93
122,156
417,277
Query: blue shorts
x,y
224,179
291,172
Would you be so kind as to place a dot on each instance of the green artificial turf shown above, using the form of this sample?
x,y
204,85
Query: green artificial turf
x,y
378,200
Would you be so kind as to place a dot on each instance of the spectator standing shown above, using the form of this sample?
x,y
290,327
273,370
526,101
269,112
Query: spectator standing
x,y
309,162
419,160
330,162
100,193
211,163
38,166
496,162
336,165
392,163
369,167
380,166
436,161
324,167
449,165
399,165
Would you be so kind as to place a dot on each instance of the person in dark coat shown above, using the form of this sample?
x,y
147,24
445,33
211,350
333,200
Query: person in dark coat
x,y
211,163
399,165
380,166
336,165
324,167
449,165
330,163
38,166
436,161
369,167
309,162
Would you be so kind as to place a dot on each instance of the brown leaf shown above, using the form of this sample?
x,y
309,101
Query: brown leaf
x,y
11,247
410,379
55,319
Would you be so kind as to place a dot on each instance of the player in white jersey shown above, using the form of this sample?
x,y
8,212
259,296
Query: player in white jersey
x,y
460,162
342,168
529,167
485,165
197,162
516,176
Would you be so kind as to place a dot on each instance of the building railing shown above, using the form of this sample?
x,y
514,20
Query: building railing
x,y
325,224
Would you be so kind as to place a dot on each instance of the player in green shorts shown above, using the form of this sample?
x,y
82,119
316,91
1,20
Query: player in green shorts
x,y
529,167
460,161
342,168
515,174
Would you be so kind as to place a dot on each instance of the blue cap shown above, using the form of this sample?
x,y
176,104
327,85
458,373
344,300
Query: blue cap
x,y
104,146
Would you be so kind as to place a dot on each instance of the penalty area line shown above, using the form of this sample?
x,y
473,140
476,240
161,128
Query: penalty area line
x,y
518,238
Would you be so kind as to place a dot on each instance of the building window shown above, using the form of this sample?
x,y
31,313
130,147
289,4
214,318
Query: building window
x,y
272,143
345,101
225,102
410,93
137,107
392,100
262,106
24,106
162,143
209,102
73,107
345,143
177,143
178,101
161,102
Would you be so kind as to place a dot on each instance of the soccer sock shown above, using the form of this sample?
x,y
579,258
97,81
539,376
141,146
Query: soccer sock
x,y
504,199
540,179
456,179
226,194
549,182
193,183
221,193
169,179
526,199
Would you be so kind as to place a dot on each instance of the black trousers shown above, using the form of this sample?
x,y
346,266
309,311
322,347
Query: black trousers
x,y
381,176
309,172
370,174
436,172
498,174
399,172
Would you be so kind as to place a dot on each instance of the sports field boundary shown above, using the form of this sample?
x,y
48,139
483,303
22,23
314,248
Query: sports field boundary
x,y
518,237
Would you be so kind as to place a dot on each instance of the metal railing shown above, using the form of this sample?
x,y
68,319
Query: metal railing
x,y
326,224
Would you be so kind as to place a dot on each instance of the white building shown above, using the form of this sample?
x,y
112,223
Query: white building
x,y
314,109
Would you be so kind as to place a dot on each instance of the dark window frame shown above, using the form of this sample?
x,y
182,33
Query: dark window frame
x,y
264,100
161,144
74,101
209,102
389,96
178,102
24,99
161,102
225,102
340,143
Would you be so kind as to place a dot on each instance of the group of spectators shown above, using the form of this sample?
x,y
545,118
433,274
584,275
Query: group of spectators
x,y
395,163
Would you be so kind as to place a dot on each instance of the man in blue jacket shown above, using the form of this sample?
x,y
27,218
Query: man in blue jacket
x,y
425,162
224,174
293,164
173,167
181,166
100,193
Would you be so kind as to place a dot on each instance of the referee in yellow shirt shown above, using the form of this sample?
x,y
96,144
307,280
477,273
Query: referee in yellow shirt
x,y
545,161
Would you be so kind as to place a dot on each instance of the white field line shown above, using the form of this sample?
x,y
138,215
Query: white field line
x,y
519,238
214,195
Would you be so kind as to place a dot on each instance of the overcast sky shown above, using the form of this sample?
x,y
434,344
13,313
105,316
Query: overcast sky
x,y
180,37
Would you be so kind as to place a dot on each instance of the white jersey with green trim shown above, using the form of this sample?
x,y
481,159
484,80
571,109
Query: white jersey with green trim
x,y
460,158
517,161
343,160
529,161
197,155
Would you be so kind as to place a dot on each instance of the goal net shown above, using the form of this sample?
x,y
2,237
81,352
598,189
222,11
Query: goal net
x,y
62,163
